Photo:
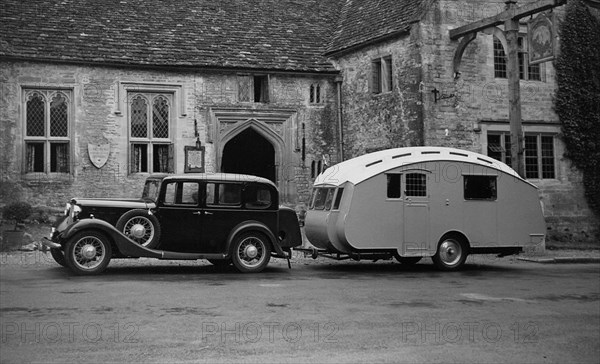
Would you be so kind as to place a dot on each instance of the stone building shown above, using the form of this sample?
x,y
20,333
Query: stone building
x,y
98,95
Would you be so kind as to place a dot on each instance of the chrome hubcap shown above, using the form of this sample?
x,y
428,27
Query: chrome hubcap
x,y
450,252
138,231
251,251
88,251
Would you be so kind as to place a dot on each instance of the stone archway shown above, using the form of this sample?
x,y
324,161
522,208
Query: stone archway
x,y
249,152
256,143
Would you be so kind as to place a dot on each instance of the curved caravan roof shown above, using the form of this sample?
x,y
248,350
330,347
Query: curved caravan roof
x,y
361,168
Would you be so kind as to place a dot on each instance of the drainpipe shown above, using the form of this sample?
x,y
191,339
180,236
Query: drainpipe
x,y
338,81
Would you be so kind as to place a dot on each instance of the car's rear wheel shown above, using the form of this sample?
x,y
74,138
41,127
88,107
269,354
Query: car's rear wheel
x,y
251,252
59,256
88,252
451,253
141,227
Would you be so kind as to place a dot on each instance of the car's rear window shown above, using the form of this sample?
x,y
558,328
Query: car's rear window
x,y
223,194
257,197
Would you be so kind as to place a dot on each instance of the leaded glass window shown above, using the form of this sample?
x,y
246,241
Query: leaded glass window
x,y
531,72
139,117
59,116
151,150
47,135
160,118
36,111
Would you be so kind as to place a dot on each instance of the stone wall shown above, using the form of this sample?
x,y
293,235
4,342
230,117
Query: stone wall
x,y
476,102
100,116
388,119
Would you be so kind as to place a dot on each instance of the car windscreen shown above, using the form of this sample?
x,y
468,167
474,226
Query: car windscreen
x,y
151,190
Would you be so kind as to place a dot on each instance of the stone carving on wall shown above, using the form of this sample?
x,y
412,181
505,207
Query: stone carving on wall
x,y
98,153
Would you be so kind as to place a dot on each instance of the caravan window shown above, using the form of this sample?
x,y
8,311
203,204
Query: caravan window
x,y
393,186
480,188
338,199
416,184
322,199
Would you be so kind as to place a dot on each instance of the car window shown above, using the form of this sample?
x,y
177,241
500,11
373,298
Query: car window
x,y
223,194
150,190
257,197
189,193
210,193
230,194
170,193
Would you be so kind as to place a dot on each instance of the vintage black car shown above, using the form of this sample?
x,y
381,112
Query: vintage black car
x,y
224,218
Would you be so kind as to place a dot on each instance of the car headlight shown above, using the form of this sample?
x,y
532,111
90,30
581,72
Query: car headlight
x,y
75,211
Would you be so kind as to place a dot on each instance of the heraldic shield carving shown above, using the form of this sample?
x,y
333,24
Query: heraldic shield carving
x,y
98,153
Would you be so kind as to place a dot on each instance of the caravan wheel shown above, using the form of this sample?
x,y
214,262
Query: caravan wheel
x,y
451,253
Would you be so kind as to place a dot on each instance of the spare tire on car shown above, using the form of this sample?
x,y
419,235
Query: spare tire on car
x,y
140,226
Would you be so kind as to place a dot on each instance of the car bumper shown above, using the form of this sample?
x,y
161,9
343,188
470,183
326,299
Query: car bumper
x,y
50,244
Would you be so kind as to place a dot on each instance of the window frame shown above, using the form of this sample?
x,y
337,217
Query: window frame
x,y
217,202
494,196
316,94
423,187
150,141
48,94
250,95
382,76
540,156
539,153
525,68
394,178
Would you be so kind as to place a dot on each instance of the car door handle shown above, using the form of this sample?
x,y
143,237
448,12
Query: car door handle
x,y
207,213
202,213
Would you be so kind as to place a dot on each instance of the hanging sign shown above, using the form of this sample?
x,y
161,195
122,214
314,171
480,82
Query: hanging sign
x,y
541,39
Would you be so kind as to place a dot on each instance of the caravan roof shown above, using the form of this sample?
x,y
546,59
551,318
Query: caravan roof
x,y
361,168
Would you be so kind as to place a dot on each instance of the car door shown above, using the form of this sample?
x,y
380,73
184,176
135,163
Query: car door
x,y
180,217
222,211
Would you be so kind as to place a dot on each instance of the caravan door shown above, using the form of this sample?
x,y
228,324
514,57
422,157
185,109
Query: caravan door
x,y
416,213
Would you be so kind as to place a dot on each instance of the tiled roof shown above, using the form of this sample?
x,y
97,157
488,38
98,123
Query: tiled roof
x,y
286,35
361,21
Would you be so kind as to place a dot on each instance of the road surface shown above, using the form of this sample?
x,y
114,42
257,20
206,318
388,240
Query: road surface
x,y
495,310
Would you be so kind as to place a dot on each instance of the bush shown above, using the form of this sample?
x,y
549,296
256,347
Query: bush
x,y
17,211
578,78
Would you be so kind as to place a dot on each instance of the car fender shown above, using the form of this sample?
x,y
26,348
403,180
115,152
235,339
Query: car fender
x,y
254,226
125,246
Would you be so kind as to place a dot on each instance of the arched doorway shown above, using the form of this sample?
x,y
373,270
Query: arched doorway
x,y
249,153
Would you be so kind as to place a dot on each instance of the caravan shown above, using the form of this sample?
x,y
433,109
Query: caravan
x,y
419,202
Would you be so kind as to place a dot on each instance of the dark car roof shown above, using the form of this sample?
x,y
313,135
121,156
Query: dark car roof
x,y
227,177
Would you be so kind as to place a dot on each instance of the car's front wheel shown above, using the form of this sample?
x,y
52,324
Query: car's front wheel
x,y
251,252
141,227
88,252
